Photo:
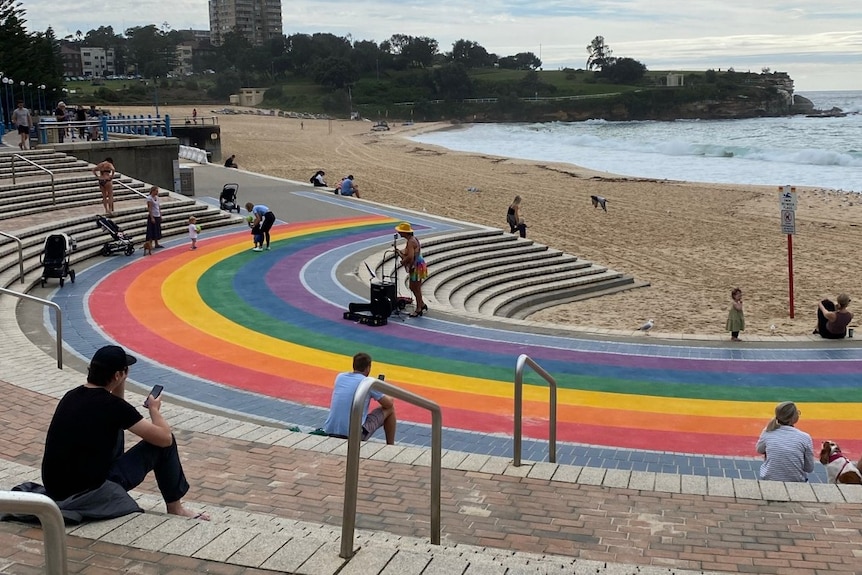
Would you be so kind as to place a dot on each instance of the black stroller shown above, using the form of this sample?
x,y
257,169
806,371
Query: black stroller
x,y
227,199
120,241
55,258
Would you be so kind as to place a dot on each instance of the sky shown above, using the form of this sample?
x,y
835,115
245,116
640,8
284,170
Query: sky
x,y
819,43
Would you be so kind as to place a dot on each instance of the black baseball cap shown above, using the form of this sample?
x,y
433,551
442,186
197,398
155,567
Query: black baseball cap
x,y
113,358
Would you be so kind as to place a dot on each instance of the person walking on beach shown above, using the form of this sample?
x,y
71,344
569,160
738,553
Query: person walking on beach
x,y
262,217
832,320
414,263
735,317
104,171
514,219
23,122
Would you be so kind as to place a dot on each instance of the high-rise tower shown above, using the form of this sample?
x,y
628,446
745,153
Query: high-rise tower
x,y
257,20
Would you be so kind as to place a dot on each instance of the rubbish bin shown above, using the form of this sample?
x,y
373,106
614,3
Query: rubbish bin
x,y
187,181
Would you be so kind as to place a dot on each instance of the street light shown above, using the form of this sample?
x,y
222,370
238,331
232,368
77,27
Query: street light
x,y
23,93
2,103
7,87
43,99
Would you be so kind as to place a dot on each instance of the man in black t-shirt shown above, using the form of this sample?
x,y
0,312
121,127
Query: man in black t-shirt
x,y
84,444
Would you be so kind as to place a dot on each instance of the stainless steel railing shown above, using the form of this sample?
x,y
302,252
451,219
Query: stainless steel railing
x,y
128,187
354,438
57,309
20,253
52,524
43,168
524,360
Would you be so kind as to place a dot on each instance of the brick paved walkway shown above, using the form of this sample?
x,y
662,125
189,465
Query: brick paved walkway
x,y
519,513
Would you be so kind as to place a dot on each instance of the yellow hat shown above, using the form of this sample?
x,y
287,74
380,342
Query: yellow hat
x,y
404,228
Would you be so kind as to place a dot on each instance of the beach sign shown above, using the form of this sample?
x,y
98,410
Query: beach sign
x,y
788,221
787,198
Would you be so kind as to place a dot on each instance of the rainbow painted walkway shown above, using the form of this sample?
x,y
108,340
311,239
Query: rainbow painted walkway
x,y
263,334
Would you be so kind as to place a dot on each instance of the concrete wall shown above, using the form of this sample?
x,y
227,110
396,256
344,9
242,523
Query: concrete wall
x,y
205,137
148,159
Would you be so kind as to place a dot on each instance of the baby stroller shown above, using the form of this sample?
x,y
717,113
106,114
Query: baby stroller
x,y
120,241
227,199
55,258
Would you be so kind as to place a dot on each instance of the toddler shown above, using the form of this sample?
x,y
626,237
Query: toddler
x,y
194,230
735,318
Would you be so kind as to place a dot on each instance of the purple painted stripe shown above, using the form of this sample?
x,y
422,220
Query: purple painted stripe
x,y
284,281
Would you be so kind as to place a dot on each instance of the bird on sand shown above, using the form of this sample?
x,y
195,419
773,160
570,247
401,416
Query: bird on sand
x,y
599,201
647,326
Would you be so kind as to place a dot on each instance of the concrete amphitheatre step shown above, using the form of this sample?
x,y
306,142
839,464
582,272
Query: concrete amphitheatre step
x,y
493,273
74,214
269,542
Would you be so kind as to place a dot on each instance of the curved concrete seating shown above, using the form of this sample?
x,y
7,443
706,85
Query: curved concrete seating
x,y
493,273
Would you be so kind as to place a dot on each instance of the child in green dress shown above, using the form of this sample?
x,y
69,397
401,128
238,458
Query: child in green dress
x,y
735,318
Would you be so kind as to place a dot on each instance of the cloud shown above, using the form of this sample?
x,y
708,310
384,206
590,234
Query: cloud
x,y
783,35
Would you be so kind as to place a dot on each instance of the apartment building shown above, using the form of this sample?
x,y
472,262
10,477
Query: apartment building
x,y
257,20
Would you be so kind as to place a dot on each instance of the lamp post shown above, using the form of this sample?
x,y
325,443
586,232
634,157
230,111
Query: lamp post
x,y
43,100
3,102
23,93
7,87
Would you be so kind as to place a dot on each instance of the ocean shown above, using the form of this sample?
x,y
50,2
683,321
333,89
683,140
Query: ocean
x,y
792,150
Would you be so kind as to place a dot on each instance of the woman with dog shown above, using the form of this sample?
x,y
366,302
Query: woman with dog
x,y
514,219
832,319
154,220
788,452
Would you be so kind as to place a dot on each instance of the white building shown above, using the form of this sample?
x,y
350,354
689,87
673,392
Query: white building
x,y
97,62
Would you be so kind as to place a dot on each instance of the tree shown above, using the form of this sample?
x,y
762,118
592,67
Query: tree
x,y
624,71
600,54
520,61
33,58
470,54
452,82
335,73
152,51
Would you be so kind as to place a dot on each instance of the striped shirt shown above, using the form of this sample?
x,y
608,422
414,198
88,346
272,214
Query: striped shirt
x,y
789,454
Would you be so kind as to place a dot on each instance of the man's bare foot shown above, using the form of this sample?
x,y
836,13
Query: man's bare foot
x,y
177,508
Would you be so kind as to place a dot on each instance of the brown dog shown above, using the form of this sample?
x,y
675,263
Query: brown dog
x,y
148,248
838,467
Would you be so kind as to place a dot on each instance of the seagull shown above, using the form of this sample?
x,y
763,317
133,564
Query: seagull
x,y
599,201
772,329
647,326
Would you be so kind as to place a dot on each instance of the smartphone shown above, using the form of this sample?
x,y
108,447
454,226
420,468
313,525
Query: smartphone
x,y
381,377
156,391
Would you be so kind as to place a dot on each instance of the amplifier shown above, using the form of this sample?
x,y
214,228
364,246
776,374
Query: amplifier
x,y
383,298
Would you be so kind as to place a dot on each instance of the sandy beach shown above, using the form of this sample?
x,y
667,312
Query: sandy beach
x,y
692,242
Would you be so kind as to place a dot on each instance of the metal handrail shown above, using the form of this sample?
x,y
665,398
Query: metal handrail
x,y
43,168
20,253
51,519
128,187
519,408
59,318
351,480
